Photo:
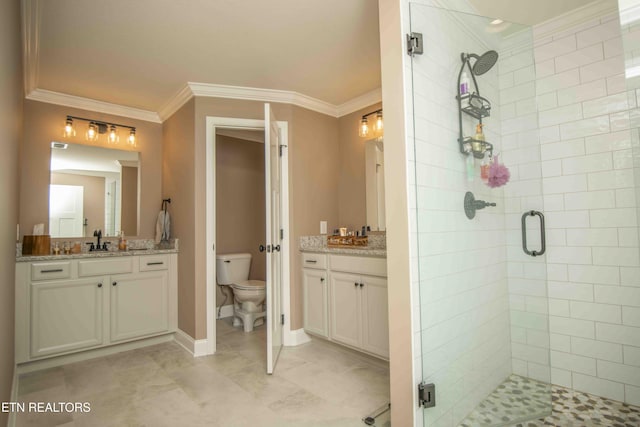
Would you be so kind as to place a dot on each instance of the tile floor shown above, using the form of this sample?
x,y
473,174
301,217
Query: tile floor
x,y
521,398
315,384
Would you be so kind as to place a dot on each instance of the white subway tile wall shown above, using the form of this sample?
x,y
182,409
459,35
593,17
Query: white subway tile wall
x,y
561,123
464,309
590,206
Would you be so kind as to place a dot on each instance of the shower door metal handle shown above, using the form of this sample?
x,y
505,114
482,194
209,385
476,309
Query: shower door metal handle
x,y
524,233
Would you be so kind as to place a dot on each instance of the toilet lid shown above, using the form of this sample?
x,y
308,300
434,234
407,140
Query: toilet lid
x,y
250,284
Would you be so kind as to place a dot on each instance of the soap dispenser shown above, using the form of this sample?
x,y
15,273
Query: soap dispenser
x,y
477,144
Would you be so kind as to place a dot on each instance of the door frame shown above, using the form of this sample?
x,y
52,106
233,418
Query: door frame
x,y
214,123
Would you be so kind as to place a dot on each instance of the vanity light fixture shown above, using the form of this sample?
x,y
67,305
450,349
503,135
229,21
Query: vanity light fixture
x,y
69,130
364,131
97,128
113,135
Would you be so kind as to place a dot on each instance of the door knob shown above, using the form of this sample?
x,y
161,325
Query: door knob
x,y
261,248
276,248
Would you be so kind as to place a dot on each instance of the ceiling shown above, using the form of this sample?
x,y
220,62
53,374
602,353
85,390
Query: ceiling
x,y
142,53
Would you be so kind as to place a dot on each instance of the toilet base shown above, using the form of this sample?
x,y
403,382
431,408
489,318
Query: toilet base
x,y
248,319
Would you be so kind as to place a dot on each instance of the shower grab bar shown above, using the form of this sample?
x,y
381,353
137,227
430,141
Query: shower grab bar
x,y
524,233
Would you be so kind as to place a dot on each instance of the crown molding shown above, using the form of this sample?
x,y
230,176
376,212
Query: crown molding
x,y
263,95
175,103
267,95
359,102
575,17
31,17
50,97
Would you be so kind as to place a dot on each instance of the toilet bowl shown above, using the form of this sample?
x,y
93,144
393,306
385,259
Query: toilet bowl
x,y
248,309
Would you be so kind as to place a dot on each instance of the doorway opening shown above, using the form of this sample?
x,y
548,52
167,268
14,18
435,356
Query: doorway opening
x,y
218,129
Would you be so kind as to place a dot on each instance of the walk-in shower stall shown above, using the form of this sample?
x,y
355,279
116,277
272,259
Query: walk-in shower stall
x,y
528,271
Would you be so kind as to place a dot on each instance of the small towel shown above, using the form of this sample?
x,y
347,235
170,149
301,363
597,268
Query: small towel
x,y
163,227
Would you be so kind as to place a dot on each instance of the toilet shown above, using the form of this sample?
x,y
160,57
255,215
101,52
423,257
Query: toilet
x,y
248,309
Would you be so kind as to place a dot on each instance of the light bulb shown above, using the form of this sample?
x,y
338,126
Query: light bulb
x,y
113,135
132,137
379,124
364,128
69,130
92,132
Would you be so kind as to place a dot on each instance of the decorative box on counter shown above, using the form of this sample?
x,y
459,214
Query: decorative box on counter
x,y
36,245
347,241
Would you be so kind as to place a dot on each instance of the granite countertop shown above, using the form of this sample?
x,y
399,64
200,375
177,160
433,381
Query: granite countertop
x,y
372,252
318,244
109,254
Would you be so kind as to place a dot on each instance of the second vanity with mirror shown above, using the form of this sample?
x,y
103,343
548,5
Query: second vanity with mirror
x,y
70,304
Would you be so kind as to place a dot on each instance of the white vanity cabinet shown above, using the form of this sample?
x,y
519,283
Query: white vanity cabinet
x,y
65,315
357,307
315,290
77,304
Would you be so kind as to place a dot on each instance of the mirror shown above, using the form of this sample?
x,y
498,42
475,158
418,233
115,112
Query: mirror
x,y
374,177
93,188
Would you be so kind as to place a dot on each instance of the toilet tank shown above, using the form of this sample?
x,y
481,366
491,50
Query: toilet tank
x,y
232,268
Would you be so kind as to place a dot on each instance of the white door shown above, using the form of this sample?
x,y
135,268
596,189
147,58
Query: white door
x,y
273,240
65,210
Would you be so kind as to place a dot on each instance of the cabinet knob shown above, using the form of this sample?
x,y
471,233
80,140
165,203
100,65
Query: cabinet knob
x,y
322,280
361,284
99,285
114,283
355,284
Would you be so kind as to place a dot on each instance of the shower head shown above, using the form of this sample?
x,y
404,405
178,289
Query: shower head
x,y
484,62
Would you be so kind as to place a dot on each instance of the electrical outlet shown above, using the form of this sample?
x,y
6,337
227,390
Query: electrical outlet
x,y
323,227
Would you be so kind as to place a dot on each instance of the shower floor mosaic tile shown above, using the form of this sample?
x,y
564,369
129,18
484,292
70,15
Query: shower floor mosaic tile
x,y
518,399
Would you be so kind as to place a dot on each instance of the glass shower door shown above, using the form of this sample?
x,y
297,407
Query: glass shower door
x,y
483,300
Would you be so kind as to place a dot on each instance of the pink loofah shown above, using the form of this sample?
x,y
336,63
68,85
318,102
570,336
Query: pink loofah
x,y
498,174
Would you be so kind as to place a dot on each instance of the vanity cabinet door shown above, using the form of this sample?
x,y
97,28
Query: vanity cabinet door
x,y
345,308
314,288
139,305
375,316
66,315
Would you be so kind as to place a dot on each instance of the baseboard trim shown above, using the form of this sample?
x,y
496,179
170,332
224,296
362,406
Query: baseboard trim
x,y
197,348
226,311
296,337
91,354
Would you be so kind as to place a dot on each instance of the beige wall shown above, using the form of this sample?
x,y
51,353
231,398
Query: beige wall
x,y
11,125
129,210
93,197
44,123
240,203
352,202
313,186
403,399
178,183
